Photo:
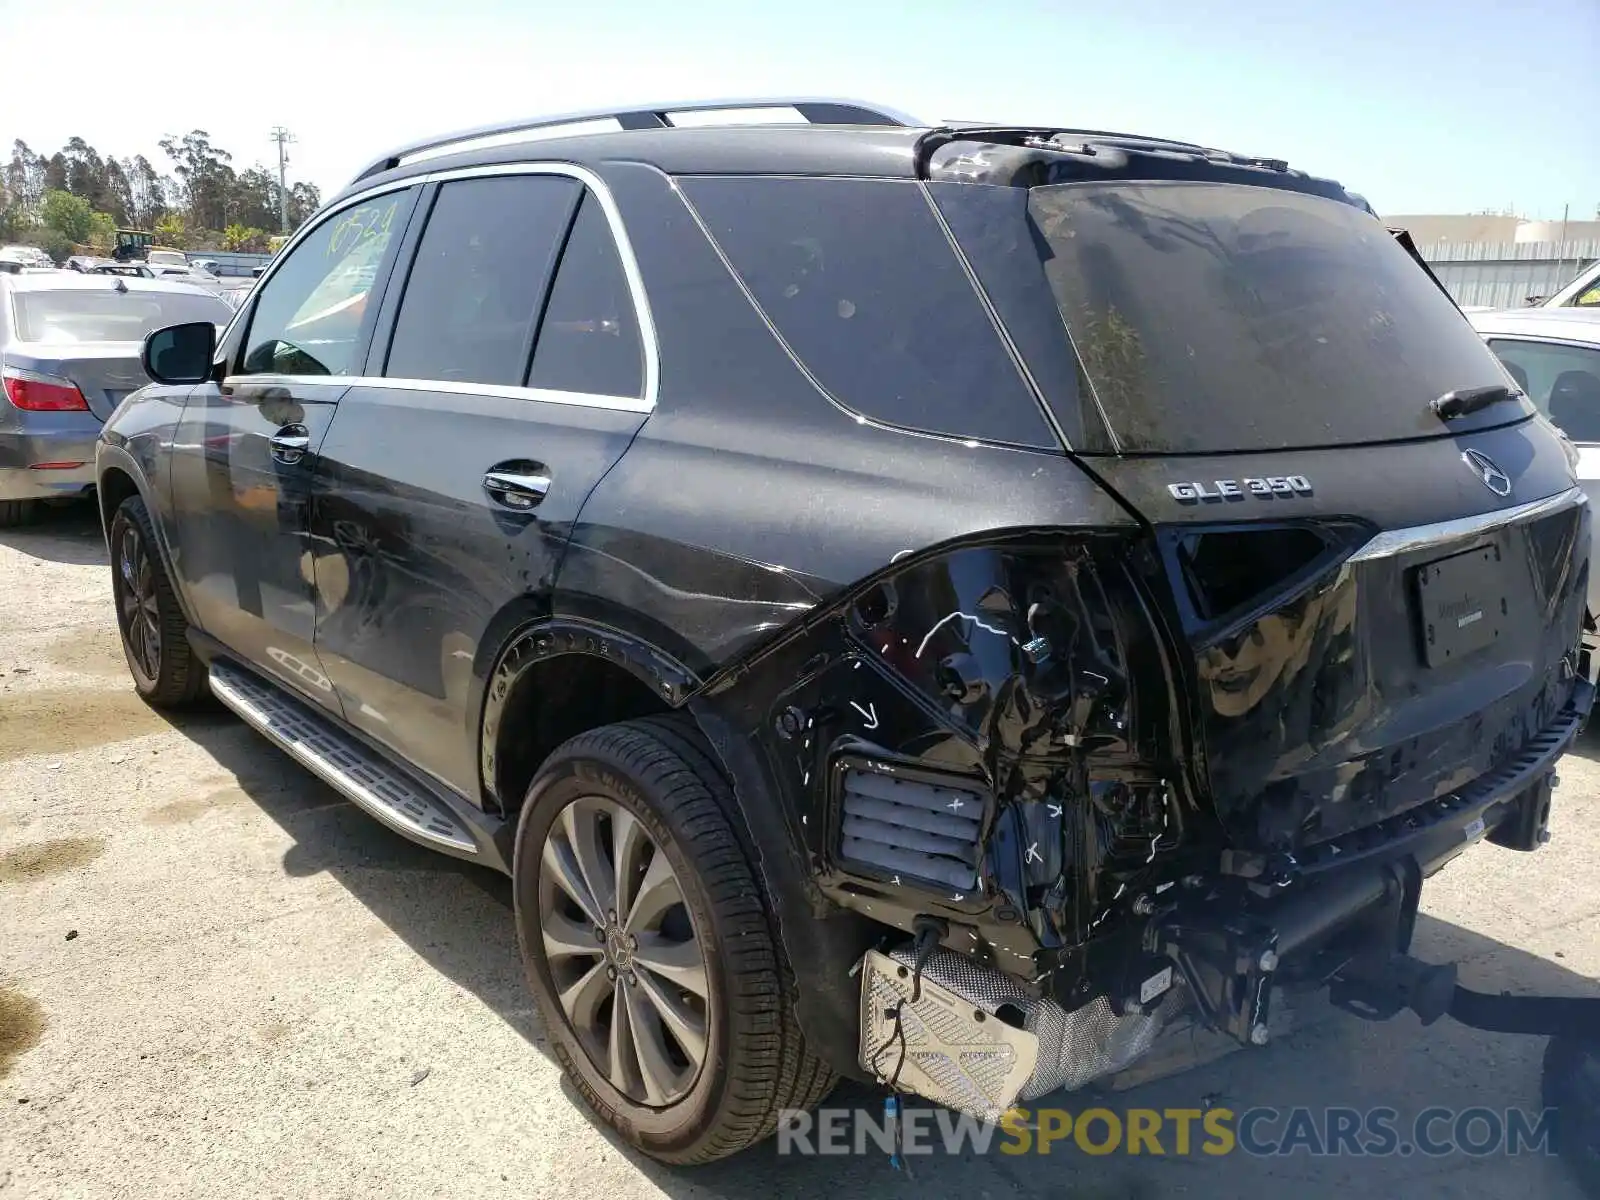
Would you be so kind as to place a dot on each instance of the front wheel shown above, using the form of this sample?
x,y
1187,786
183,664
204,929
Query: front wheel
x,y
648,949
154,632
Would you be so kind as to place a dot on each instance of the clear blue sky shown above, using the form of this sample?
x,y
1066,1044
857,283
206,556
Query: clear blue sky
x,y
1421,105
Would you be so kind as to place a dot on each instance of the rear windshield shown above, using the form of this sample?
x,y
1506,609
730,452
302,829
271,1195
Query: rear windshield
x,y
77,315
1216,317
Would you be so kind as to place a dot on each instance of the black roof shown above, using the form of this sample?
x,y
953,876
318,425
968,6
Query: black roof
x,y
740,149
881,144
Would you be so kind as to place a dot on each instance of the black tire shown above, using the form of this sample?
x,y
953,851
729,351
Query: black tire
x,y
172,676
17,512
660,771
1572,1088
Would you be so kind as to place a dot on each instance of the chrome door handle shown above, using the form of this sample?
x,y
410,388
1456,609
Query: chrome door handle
x,y
518,491
290,444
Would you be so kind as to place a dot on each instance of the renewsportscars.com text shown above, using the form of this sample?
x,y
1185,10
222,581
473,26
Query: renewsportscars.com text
x,y
1179,1132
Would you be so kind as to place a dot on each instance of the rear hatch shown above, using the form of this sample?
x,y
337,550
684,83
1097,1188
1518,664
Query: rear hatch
x,y
1377,605
92,335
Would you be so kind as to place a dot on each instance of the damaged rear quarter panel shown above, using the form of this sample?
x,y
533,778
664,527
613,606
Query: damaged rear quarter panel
x,y
1020,670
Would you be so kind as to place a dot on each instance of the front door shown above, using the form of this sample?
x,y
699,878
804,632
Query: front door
x,y
247,443
449,482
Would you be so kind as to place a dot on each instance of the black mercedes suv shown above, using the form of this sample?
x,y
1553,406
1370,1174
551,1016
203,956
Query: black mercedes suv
x,y
928,604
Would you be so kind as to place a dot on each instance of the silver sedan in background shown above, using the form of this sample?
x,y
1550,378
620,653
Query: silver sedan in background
x,y
69,353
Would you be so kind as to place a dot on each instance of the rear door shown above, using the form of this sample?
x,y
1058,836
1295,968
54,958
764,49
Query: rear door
x,y
514,377
246,448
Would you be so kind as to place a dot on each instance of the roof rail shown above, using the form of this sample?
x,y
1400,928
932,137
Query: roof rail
x,y
815,109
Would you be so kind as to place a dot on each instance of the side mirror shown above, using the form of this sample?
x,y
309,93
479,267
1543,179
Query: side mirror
x,y
180,353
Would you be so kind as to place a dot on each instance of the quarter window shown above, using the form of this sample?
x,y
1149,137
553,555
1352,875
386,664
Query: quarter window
x,y
479,278
311,315
862,284
589,340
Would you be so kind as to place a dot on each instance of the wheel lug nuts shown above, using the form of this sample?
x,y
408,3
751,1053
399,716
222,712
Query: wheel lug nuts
x,y
599,933
611,974
633,941
611,915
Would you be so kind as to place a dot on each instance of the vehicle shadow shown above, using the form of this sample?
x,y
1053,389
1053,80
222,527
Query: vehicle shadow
x,y
62,533
457,916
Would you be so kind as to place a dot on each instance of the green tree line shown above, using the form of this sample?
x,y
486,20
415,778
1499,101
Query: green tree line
x,y
75,197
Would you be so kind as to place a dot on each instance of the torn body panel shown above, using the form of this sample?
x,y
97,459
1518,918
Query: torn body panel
x,y
959,739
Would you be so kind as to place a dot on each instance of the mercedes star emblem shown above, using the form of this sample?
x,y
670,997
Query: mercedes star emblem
x,y
1496,480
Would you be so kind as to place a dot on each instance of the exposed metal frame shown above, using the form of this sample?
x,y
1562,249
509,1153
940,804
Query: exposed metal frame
x,y
817,110
643,403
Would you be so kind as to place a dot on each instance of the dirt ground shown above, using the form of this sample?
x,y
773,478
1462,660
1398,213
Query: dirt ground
x,y
218,978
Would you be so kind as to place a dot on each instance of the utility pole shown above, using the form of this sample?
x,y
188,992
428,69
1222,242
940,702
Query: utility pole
x,y
283,137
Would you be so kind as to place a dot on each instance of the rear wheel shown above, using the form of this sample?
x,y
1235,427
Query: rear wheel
x,y
648,949
17,512
154,632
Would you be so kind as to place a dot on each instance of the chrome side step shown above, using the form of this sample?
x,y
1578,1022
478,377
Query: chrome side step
x,y
341,761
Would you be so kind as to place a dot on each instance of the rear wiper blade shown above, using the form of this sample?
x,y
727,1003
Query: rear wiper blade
x,y
1470,400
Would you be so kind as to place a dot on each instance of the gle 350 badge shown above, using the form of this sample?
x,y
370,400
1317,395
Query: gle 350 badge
x,y
1263,487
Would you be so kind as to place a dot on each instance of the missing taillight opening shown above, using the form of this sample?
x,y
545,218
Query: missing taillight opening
x,y
1226,569
43,393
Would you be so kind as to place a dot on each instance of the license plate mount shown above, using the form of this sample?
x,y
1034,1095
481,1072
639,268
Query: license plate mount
x,y
1461,604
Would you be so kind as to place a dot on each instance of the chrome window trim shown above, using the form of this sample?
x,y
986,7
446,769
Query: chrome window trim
x,y
1395,542
452,386
619,236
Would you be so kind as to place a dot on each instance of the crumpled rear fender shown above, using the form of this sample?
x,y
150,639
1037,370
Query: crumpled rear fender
x,y
1021,675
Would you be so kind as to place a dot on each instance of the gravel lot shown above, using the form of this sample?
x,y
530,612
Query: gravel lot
x,y
218,978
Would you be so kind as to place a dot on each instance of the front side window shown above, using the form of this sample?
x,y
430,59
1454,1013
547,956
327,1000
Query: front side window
x,y
1562,381
309,316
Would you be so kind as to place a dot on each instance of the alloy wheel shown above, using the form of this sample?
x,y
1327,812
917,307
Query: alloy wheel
x,y
141,617
624,955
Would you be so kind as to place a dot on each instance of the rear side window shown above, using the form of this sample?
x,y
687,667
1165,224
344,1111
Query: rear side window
x,y
1562,381
589,339
860,281
109,316
479,277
